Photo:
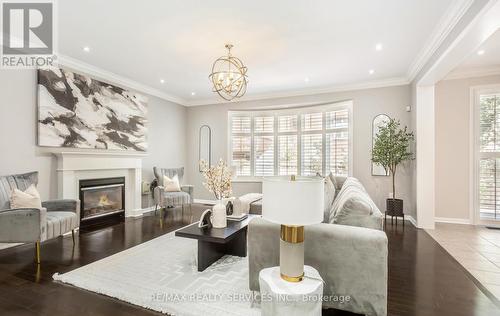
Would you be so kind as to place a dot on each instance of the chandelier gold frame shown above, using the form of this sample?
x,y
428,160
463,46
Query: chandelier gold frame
x,y
229,76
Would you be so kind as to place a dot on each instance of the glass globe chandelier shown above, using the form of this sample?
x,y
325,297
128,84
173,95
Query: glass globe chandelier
x,y
229,76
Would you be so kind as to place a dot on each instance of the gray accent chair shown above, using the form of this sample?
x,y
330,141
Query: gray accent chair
x,y
32,225
171,199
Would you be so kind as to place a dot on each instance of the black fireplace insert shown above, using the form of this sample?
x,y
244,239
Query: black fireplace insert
x,y
101,199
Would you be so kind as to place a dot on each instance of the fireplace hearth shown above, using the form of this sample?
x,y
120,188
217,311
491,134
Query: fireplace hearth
x,y
101,200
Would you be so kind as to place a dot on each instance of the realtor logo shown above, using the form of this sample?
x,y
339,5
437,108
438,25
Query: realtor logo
x,y
28,34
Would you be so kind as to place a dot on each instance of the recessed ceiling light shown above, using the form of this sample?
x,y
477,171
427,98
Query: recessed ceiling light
x,y
162,81
306,79
379,47
481,52
371,71
86,49
193,93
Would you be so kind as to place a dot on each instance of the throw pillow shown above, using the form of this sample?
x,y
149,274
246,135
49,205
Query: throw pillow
x,y
171,184
27,199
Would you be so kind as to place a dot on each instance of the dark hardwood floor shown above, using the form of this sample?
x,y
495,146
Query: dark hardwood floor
x,y
423,278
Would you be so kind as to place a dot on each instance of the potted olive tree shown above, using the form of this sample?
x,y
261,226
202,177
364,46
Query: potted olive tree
x,y
390,149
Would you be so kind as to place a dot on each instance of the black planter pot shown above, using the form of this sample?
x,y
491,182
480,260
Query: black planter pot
x,y
394,207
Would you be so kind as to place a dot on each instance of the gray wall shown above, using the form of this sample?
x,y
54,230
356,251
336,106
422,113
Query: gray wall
x,y
166,132
453,101
366,104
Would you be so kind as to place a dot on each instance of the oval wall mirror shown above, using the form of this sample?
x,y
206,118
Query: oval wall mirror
x,y
378,121
205,145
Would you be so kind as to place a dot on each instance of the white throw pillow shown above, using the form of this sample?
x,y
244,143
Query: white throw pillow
x,y
171,184
27,199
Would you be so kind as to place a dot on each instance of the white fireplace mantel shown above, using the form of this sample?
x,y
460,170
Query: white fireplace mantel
x,y
75,166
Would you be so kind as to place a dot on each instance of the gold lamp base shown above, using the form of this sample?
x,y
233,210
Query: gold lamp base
x,y
292,253
292,279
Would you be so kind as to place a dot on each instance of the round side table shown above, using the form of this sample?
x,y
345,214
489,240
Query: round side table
x,y
280,297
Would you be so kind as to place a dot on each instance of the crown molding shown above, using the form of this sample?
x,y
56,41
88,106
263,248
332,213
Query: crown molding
x,y
443,29
113,78
473,72
446,24
391,82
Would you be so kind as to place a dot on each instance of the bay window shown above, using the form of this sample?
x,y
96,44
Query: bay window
x,y
302,141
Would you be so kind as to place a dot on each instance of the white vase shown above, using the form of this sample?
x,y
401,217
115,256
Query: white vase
x,y
219,219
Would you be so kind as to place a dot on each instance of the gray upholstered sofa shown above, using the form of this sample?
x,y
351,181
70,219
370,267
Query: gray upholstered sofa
x,y
171,199
32,225
350,253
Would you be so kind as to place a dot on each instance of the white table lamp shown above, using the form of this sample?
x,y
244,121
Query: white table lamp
x,y
292,202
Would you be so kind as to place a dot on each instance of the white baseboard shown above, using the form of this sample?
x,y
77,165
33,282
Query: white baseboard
x,y
69,233
148,209
411,220
451,220
141,212
202,201
406,217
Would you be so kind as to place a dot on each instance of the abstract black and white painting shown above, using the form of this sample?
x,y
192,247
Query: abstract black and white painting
x,y
77,111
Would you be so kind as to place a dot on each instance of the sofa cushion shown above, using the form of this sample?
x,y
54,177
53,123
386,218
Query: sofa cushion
x,y
330,194
353,206
176,198
10,182
59,223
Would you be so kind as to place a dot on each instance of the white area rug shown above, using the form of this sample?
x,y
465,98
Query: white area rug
x,y
5,246
161,275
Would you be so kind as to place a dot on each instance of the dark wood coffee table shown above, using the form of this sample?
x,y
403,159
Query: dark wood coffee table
x,y
213,243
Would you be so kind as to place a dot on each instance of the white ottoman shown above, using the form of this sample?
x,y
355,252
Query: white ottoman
x,y
280,297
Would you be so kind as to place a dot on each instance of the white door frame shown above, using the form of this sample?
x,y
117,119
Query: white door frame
x,y
482,26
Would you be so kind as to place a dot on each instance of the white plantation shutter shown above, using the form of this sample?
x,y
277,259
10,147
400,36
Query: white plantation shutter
x,y
241,155
489,179
337,142
287,123
241,146
264,124
337,153
312,122
312,154
303,141
489,156
241,124
288,156
264,155
263,146
337,119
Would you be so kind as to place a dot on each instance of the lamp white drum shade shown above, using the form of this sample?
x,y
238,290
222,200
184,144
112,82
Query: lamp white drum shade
x,y
289,202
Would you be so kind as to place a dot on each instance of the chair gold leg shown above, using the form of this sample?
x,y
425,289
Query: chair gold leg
x,y
73,235
38,274
37,252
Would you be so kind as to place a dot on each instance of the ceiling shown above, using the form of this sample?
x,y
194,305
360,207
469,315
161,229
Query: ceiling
x,y
485,59
332,43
